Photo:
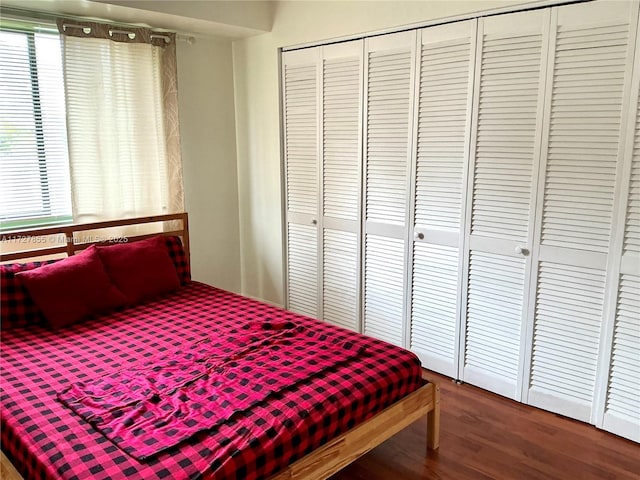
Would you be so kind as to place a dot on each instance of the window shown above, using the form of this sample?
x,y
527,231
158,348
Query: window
x,y
88,123
34,163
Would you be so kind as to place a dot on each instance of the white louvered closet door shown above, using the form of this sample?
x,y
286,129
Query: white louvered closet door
x,y
506,132
300,80
389,74
443,110
588,91
342,71
617,402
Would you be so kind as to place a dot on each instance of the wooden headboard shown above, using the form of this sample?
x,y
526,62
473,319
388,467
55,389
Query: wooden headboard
x,y
69,239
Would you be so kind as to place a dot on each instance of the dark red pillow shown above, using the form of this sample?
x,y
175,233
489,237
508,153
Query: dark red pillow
x,y
141,270
17,309
72,289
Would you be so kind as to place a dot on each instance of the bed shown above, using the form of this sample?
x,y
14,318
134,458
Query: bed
x,y
309,430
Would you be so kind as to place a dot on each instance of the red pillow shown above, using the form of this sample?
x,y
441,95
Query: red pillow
x,y
17,309
72,289
141,270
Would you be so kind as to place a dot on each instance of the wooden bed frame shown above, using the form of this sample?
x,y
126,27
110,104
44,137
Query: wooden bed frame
x,y
319,464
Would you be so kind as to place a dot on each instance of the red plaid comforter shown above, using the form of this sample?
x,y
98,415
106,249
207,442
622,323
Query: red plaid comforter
x,y
44,439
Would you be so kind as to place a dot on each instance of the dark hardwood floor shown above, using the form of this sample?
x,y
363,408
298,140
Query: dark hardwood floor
x,y
485,436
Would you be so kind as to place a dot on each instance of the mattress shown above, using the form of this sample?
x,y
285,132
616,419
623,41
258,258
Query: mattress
x,y
44,439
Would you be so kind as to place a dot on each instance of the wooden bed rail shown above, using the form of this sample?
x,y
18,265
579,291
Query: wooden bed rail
x,y
68,241
351,445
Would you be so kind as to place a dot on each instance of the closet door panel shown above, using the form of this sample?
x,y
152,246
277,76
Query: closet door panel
x,y
342,96
587,95
621,409
569,308
494,311
507,126
389,74
300,79
340,278
384,288
443,114
302,268
342,125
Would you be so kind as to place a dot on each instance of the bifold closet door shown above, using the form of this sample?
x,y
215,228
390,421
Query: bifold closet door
x,y
617,397
588,94
620,400
446,60
389,90
341,153
300,81
505,149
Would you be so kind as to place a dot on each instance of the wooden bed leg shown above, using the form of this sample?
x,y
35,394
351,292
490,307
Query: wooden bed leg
x,y
433,422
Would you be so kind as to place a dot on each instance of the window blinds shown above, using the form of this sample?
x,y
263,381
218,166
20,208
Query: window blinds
x,y
34,173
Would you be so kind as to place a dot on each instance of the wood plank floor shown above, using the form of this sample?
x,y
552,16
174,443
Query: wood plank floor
x,y
485,436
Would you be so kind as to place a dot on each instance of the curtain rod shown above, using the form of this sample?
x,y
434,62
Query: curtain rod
x,y
47,19
131,33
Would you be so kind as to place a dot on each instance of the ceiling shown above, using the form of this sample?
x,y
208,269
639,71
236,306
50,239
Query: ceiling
x,y
230,19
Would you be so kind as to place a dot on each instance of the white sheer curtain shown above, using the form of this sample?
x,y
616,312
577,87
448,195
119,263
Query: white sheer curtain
x,y
117,133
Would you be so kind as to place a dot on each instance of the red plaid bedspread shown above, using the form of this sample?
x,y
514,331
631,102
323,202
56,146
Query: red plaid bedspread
x,y
44,439
161,402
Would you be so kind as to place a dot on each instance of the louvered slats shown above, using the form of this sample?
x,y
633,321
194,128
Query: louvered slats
x,y
302,269
442,133
506,133
384,285
567,325
632,230
341,130
550,88
388,103
301,137
340,274
623,398
584,133
494,314
434,300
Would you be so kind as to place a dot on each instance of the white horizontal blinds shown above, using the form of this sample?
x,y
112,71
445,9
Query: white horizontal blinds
x,y
584,132
506,133
446,65
341,181
622,413
302,267
590,73
494,311
34,164
301,130
340,278
565,343
301,133
389,65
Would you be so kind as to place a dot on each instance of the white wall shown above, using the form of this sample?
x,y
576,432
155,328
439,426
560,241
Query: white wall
x,y
255,62
207,130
